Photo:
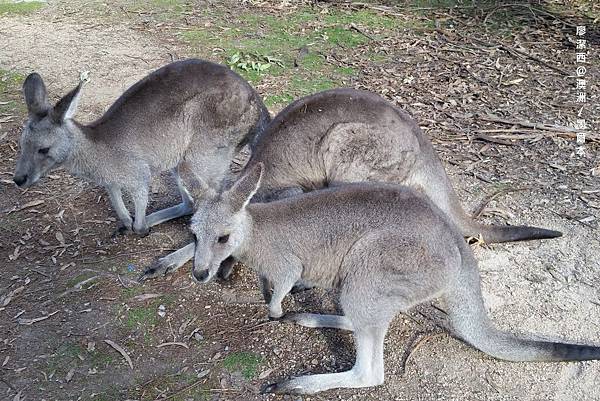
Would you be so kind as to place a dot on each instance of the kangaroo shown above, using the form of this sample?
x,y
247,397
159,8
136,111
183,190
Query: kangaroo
x,y
191,111
385,248
346,135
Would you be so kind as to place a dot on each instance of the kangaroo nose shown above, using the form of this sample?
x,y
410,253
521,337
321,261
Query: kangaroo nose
x,y
200,276
20,180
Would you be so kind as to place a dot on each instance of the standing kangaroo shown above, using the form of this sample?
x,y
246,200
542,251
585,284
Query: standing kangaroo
x,y
346,135
385,248
189,111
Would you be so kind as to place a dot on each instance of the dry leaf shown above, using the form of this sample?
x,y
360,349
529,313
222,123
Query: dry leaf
x,y
60,238
121,351
8,297
145,297
69,375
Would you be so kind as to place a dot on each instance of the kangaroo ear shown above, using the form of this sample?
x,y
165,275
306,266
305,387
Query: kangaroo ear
x,y
36,97
244,189
194,184
67,106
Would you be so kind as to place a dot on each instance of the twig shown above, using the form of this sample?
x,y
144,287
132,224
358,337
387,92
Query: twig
x,y
366,35
121,351
491,197
29,322
487,138
414,346
540,126
93,261
184,345
183,390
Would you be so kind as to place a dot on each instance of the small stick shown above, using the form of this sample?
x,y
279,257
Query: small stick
x,y
540,126
491,197
29,322
366,35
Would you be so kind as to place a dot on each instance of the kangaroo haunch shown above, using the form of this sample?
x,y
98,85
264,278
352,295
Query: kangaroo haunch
x,y
346,135
189,111
385,248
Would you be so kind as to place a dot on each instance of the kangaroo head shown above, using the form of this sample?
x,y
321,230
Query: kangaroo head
x,y
46,141
220,224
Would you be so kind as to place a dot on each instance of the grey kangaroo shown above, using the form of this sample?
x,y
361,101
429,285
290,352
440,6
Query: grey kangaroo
x,y
385,248
189,111
346,135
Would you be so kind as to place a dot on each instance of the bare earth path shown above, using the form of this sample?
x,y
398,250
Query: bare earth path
x,y
65,285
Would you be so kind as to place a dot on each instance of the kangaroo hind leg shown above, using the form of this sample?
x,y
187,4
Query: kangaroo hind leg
x,y
366,372
184,208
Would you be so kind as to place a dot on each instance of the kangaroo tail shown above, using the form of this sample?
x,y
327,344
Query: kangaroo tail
x,y
435,184
470,321
491,233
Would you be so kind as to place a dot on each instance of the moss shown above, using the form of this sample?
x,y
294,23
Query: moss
x,y
10,7
10,92
245,362
346,70
278,100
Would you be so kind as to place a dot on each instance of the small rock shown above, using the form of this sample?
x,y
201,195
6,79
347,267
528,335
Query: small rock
x,y
161,311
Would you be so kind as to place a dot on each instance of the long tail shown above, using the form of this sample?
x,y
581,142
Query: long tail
x,y
491,233
436,185
470,321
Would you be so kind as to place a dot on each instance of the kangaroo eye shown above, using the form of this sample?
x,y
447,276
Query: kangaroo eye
x,y
223,239
44,151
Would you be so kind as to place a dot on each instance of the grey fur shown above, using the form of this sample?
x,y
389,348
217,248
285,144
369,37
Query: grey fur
x,y
346,135
386,248
193,111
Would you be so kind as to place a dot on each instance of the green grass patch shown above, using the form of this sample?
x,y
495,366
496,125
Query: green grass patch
x,y
298,41
10,7
303,86
365,17
346,70
342,36
10,92
162,10
245,362
275,100
141,316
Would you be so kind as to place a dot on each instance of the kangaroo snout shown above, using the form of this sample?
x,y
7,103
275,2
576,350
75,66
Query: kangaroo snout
x,y
20,180
201,275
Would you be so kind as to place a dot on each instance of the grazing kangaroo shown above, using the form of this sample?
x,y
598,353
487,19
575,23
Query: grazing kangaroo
x,y
346,135
385,248
189,111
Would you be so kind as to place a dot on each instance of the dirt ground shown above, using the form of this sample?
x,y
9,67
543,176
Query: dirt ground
x,y
71,314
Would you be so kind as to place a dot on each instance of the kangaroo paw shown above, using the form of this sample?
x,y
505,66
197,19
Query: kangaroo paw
x,y
121,229
226,268
286,387
142,232
159,268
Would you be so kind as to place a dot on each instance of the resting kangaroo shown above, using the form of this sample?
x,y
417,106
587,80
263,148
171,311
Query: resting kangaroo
x,y
346,135
193,111
385,248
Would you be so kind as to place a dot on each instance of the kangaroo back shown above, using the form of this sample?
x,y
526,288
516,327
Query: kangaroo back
x,y
346,135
